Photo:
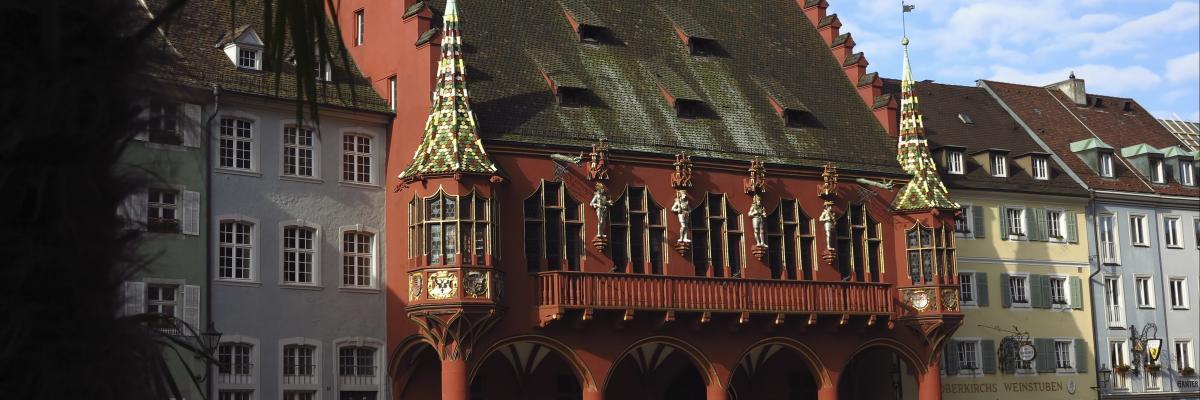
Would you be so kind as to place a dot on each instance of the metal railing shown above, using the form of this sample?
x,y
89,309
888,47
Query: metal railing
x,y
239,374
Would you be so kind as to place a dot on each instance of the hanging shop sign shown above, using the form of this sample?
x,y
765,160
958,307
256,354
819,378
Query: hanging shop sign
x,y
1153,349
1027,352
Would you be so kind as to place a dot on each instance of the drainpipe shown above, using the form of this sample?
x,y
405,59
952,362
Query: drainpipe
x,y
1163,278
1092,291
208,243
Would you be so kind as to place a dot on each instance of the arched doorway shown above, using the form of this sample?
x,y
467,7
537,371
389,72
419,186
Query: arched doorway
x,y
775,371
656,370
418,373
526,370
879,372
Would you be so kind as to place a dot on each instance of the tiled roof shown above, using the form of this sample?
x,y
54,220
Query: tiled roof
x,y
1058,122
840,39
767,38
203,25
827,20
868,79
853,59
992,128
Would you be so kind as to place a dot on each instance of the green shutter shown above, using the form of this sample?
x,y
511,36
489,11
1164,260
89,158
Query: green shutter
x,y
977,216
951,357
1039,296
987,349
1081,353
981,289
1003,223
1031,224
1005,291
1072,230
1040,231
1076,293
1045,355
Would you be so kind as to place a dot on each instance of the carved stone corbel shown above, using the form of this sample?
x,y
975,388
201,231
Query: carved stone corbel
x,y
454,332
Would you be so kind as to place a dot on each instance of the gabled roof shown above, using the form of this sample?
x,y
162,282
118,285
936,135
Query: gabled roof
x,y
200,32
1088,144
766,38
1176,151
581,13
779,94
684,21
1138,150
1059,123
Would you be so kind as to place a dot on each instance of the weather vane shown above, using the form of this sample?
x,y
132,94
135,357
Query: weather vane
x,y
905,9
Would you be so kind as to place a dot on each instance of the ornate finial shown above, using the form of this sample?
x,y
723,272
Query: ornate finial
x,y
757,183
682,177
829,182
598,166
450,144
1072,76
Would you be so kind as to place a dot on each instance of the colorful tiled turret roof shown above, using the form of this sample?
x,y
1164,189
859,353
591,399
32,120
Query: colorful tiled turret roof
x,y
925,190
451,143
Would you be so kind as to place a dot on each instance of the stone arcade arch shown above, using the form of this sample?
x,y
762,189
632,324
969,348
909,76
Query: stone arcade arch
x,y
530,367
417,370
881,360
778,368
661,367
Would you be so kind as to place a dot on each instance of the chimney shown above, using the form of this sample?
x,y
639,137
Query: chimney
x,y
1073,88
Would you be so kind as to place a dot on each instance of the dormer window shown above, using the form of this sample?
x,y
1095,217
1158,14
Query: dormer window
x,y
247,58
966,119
1187,173
586,24
1106,165
360,20
954,162
244,48
686,102
794,113
1158,173
999,167
568,89
1041,168
693,35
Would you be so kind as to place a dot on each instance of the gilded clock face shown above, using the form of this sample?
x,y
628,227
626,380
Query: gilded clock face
x,y
442,285
920,300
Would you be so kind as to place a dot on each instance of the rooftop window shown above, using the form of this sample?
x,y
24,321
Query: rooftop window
x,y
966,119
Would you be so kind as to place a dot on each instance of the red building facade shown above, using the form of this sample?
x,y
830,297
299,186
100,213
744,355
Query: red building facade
x,y
646,208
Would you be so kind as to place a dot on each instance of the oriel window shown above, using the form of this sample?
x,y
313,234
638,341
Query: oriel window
x,y
930,254
451,229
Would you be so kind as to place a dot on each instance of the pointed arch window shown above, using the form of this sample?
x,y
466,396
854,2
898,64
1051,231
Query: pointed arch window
x,y
717,238
790,242
930,254
859,245
637,230
553,229
450,230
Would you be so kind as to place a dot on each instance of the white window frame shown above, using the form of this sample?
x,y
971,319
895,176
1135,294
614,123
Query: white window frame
x,y
1152,381
314,151
360,28
1066,291
176,301
1027,293
1106,164
255,126
1071,359
1158,170
1109,244
1119,354
1056,223
1114,311
955,163
392,93
1183,360
999,167
1024,230
255,365
1144,288
1171,228
978,359
968,220
1137,230
254,247
317,243
375,275
371,156
315,383
255,57
973,288
380,366
1041,168
1178,290
1187,173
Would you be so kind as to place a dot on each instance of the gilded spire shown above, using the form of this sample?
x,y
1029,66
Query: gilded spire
x,y
925,190
451,143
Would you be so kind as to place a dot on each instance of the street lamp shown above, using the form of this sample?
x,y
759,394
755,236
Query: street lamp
x,y
210,338
1103,375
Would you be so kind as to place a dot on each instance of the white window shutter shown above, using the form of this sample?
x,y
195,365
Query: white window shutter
x,y
142,132
189,123
135,298
133,210
191,306
191,212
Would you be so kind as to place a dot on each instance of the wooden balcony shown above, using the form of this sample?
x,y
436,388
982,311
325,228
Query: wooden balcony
x,y
559,291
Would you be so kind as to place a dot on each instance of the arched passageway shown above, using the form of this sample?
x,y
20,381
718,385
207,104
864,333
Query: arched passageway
x,y
418,374
525,370
654,371
774,371
878,373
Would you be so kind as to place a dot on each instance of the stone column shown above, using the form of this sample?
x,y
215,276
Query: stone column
x,y
596,395
716,392
827,392
454,379
930,386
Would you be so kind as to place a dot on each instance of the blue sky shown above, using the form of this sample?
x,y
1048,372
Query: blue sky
x,y
1145,49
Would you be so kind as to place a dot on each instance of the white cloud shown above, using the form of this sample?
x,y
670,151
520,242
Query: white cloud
x,y
1184,68
1143,31
1101,79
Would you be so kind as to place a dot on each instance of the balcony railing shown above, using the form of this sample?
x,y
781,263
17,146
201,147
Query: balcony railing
x,y
364,376
683,293
240,375
302,377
